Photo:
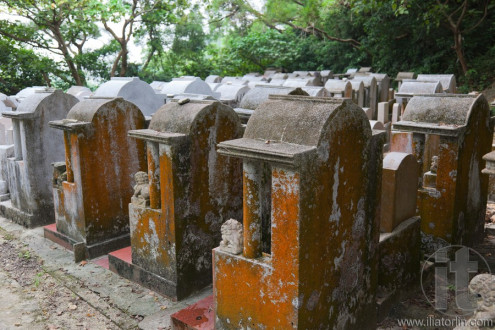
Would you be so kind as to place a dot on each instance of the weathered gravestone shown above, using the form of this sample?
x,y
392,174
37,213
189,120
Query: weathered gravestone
x,y
134,90
448,134
80,92
399,247
214,79
302,81
36,147
383,84
339,88
371,92
446,80
358,93
409,88
278,79
260,94
324,169
191,192
90,198
402,76
316,91
187,85
232,94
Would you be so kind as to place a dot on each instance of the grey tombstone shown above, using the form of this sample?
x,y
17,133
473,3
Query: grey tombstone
x,y
234,80
158,85
232,94
371,92
260,94
28,91
134,90
190,86
278,79
403,75
36,147
339,88
325,75
213,79
409,88
302,81
316,91
80,92
383,82
447,80
358,93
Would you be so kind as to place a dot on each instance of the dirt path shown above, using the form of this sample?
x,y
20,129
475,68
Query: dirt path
x,y
31,298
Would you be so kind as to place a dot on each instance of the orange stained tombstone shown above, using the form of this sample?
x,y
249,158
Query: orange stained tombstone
x,y
320,269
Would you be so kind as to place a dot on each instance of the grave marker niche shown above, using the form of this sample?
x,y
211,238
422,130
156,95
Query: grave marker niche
x,y
134,90
324,163
36,147
192,192
90,199
448,134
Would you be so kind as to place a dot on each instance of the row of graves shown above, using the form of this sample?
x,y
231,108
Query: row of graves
x,y
297,209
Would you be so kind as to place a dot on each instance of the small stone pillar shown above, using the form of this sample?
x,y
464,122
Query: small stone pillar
x,y
192,192
324,231
456,129
36,147
101,160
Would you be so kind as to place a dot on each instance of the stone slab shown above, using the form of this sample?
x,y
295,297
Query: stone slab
x,y
7,210
200,315
80,249
120,262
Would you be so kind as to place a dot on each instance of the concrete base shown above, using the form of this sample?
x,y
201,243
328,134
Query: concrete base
x,y
7,210
4,197
385,303
80,249
200,315
120,262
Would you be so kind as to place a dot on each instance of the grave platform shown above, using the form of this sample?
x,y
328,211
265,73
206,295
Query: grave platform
x,y
80,249
7,210
198,316
120,262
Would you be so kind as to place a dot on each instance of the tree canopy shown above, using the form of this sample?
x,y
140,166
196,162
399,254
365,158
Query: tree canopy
x,y
52,42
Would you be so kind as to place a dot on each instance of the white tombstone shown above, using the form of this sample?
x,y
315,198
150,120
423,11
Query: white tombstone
x,y
134,90
339,88
190,86
232,94
447,80
383,112
214,79
80,92
316,91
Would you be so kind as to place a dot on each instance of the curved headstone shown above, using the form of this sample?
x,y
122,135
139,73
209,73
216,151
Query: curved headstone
x,y
134,90
259,94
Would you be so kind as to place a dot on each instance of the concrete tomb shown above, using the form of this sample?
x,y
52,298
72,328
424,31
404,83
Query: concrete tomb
x,y
358,93
234,80
303,81
134,90
446,80
409,88
319,271
339,88
278,79
176,217
158,85
448,134
188,85
28,91
403,75
232,94
36,147
325,75
260,94
371,92
90,199
316,91
383,84
213,79
80,92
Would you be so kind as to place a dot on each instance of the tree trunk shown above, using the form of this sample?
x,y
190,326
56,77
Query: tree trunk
x,y
458,50
68,59
123,64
